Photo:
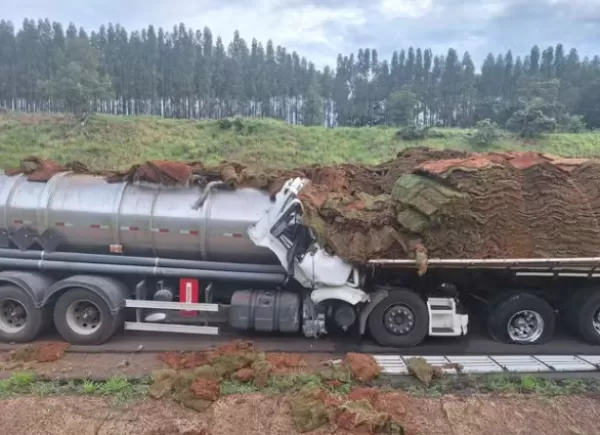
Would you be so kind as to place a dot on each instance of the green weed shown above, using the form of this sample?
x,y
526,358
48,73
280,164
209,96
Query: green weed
x,y
118,390
235,387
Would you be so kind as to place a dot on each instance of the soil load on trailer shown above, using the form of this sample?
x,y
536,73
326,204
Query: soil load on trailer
x,y
449,204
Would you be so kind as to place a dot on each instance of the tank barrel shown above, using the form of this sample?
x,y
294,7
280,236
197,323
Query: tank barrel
x,y
85,213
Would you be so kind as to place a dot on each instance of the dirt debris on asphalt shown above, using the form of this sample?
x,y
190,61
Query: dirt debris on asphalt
x,y
364,367
99,366
93,366
30,354
234,356
440,203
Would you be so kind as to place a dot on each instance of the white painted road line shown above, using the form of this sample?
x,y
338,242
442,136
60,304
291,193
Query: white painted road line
x,y
483,364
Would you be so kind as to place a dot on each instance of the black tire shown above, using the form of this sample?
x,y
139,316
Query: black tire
x,y
383,336
501,313
492,304
571,309
37,318
108,325
583,316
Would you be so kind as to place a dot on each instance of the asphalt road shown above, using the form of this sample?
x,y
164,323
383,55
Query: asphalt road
x,y
472,344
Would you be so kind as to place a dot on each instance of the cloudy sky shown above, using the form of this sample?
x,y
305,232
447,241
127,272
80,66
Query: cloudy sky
x,y
321,29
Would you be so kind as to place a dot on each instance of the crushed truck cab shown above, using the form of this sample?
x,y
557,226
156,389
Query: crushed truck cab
x,y
330,279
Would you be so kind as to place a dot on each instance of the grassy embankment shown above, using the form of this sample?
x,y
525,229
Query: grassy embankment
x,y
123,390
117,142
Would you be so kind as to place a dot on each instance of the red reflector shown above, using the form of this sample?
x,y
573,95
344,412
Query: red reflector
x,y
188,293
194,233
95,226
238,235
134,228
163,230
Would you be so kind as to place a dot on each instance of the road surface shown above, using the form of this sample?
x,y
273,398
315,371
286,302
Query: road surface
x,y
474,343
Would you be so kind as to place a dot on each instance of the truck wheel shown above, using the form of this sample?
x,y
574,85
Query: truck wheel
x,y
20,320
400,320
571,309
522,319
587,317
82,317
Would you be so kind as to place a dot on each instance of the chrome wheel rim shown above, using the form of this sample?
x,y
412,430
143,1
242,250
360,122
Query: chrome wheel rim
x,y
525,326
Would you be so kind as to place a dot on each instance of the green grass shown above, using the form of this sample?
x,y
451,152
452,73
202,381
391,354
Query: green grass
x,y
464,384
119,390
117,141
122,391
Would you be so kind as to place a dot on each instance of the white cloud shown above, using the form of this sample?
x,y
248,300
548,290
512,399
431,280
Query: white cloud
x,y
392,9
269,19
320,29
484,11
578,3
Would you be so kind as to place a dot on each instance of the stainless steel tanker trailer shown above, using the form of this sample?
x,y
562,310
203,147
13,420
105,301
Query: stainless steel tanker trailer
x,y
93,258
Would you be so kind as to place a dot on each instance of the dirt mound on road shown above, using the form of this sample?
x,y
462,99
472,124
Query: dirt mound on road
x,y
34,353
439,203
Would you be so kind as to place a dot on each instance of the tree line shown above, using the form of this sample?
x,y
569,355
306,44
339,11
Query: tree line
x,y
187,73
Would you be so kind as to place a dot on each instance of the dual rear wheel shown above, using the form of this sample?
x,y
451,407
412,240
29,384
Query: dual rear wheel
x,y
521,318
82,317
402,319
79,315
524,318
20,320
581,314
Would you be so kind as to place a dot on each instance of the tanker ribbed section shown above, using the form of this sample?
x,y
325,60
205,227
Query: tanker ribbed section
x,y
83,213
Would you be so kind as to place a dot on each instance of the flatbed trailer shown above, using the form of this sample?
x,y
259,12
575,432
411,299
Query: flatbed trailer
x,y
93,259
518,300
